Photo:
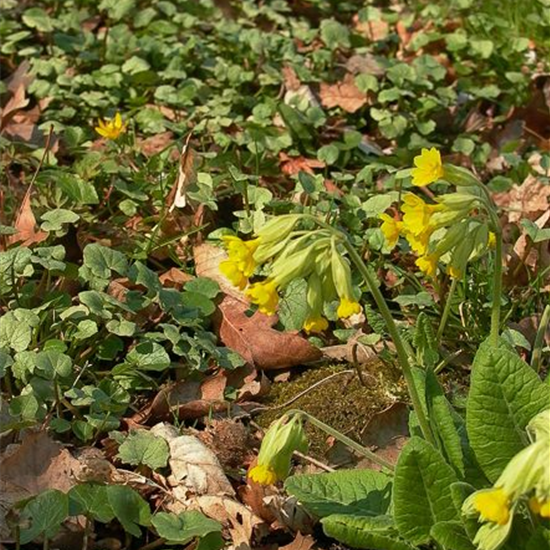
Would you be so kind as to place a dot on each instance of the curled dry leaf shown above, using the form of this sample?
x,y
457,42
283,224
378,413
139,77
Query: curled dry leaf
x,y
345,95
177,197
301,542
195,468
25,225
37,464
255,339
528,200
155,144
207,264
292,166
386,434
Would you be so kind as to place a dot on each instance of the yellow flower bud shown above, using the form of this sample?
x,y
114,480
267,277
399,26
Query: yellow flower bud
x,y
461,177
278,228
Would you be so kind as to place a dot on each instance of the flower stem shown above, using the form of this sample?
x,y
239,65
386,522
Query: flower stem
x,y
395,336
497,288
539,339
344,439
446,310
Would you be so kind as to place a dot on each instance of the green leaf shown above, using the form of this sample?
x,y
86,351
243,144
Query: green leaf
x,y
142,447
445,423
16,328
6,361
425,341
55,219
372,533
328,154
46,512
53,364
37,18
85,329
353,492
536,234
334,34
135,65
101,260
293,308
451,535
422,299
129,508
540,540
140,274
505,393
79,190
117,9
202,285
91,500
378,204
148,356
421,493
182,528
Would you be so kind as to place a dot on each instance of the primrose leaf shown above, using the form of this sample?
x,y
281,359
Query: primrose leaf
x,y
46,512
352,492
101,260
142,447
372,533
182,528
129,508
451,535
505,394
55,219
421,493
293,308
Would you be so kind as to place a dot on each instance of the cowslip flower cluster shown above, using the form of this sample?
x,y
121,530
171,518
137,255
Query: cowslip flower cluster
x,y
111,128
288,254
525,480
444,231
283,437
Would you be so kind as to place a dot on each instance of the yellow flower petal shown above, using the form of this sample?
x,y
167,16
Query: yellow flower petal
x,y
428,167
265,296
428,264
111,128
391,229
315,324
231,270
347,308
263,475
493,506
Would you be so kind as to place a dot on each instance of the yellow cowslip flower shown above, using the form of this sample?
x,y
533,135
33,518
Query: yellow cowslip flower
x,y
111,128
231,270
347,308
428,167
265,296
283,437
492,240
419,243
242,253
391,229
417,214
492,505
540,507
262,474
454,272
315,324
428,264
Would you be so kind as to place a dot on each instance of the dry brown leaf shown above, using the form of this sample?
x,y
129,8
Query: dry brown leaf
x,y
237,518
207,264
175,278
16,103
289,514
37,464
177,197
301,542
290,78
345,95
25,225
373,30
155,144
528,200
255,339
386,434
364,64
292,166
195,468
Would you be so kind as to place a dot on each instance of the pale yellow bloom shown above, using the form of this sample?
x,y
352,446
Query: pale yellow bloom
x,y
111,128
417,214
391,229
347,308
428,264
262,474
493,505
231,270
265,296
242,253
428,167
315,324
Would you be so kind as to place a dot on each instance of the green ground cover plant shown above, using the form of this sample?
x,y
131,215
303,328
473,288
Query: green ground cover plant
x,y
370,172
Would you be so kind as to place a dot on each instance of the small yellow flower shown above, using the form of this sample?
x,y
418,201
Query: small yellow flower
x,y
492,240
540,507
231,270
454,271
111,128
493,505
391,229
262,474
242,253
428,264
315,324
347,308
419,243
428,167
417,214
265,296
